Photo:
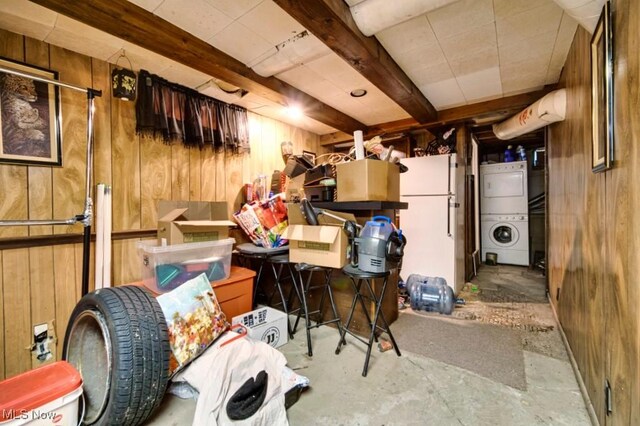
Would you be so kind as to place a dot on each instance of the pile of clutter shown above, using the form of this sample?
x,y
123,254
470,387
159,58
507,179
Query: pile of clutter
x,y
264,221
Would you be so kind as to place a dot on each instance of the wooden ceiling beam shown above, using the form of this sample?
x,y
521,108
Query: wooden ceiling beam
x,y
129,22
331,22
502,106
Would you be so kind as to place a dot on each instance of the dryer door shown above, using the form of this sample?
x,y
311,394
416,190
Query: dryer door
x,y
504,234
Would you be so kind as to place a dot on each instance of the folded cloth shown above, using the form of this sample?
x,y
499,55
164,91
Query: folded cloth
x,y
249,398
221,371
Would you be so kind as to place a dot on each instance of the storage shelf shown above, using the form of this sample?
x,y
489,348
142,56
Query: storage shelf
x,y
362,205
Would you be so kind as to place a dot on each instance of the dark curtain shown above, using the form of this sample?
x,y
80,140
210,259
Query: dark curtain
x,y
177,113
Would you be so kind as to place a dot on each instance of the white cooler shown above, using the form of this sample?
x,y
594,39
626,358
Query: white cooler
x,y
45,396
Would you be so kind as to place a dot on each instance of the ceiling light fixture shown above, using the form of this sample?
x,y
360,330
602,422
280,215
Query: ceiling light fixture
x,y
358,93
294,112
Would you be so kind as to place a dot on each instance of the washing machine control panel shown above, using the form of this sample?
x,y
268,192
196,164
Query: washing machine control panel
x,y
509,218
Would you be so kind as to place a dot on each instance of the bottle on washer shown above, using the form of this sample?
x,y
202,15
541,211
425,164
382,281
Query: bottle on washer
x,y
508,154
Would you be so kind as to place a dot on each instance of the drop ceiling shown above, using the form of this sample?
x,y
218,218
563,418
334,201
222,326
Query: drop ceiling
x,y
464,52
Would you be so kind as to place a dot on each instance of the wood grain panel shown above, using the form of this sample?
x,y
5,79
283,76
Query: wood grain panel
x,y
594,226
221,175
2,327
101,80
125,161
64,275
255,139
17,311
69,181
233,195
126,261
195,174
179,172
623,296
155,178
40,178
13,203
577,226
43,295
208,175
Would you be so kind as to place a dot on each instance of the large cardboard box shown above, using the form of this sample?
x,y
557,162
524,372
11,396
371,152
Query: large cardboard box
x,y
368,180
192,221
266,324
322,245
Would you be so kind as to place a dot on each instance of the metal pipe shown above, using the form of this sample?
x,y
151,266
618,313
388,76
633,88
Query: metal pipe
x,y
32,222
44,79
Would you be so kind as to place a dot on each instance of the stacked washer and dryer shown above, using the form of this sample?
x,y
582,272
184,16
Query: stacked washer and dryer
x,y
504,206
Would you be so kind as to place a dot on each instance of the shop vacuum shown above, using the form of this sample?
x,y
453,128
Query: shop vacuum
x,y
377,247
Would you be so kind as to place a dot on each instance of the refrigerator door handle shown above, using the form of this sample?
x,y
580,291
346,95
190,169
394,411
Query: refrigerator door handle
x,y
449,234
449,174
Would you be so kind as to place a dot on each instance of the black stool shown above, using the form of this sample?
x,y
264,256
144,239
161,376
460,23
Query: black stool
x,y
305,287
366,277
282,262
250,252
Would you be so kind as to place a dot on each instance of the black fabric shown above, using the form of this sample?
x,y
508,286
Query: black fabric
x,y
248,398
177,113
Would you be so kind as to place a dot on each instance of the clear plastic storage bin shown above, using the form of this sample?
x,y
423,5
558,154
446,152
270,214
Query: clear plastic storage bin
x,y
167,267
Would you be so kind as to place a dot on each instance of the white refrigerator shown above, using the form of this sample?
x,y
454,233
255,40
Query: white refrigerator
x,y
432,223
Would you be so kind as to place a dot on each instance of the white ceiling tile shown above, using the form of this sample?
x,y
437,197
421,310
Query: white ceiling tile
x,y
525,52
142,58
458,17
561,47
353,2
430,74
443,94
240,42
481,84
529,24
251,101
149,5
526,80
234,8
183,75
479,59
298,75
570,4
505,8
24,17
422,56
84,39
199,18
271,22
301,49
468,42
407,35
553,76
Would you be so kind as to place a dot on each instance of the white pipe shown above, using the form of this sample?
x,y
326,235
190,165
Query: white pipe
x,y
358,139
106,280
373,16
99,235
549,109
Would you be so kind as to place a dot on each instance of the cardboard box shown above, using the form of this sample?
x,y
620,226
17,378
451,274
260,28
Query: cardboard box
x,y
368,180
295,189
266,324
192,221
322,245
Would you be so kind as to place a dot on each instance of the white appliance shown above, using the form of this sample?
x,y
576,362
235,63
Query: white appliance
x,y
430,223
507,236
503,188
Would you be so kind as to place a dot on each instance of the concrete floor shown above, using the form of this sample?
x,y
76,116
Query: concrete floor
x,y
417,390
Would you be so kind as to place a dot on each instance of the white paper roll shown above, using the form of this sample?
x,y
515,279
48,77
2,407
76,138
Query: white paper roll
x,y
359,142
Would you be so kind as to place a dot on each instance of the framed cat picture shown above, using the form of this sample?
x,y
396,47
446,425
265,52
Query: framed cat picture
x,y
30,129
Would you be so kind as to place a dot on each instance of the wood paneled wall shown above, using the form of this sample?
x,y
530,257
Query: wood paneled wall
x,y
43,284
594,226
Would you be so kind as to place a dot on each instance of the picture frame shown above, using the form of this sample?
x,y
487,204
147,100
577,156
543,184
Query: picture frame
x,y
311,156
30,119
602,93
